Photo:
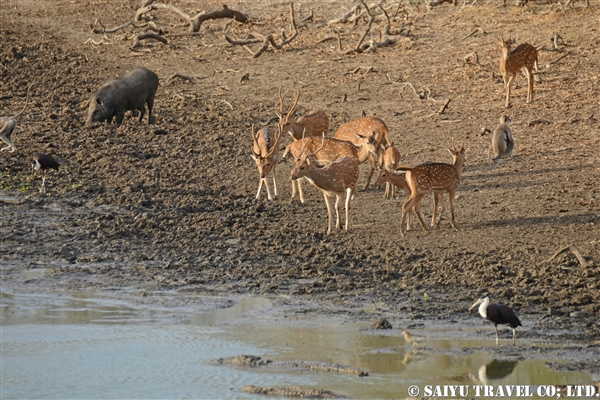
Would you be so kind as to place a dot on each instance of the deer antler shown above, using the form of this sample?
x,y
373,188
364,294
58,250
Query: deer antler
x,y
254,139
281,97
276,145
292,111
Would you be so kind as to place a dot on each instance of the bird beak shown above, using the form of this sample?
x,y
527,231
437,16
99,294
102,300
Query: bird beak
x,y
478,302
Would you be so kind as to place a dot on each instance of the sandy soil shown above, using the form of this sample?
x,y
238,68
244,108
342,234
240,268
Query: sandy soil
x,y
171,207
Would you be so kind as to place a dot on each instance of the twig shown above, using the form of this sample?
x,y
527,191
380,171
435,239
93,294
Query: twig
x,y
573,249
476,30
184,77
243,42
443,108
539,121
344,18
148,35
559,58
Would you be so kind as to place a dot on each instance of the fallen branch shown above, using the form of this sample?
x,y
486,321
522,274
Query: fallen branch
x,y
343,19
559,58
443,108
194,21
103,29
434,3
573,249
268,39
476,30
148,35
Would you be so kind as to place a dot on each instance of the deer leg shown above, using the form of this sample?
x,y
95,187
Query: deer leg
x,y
328,201
267,186
529,86
338,223
387,190
507,104
451,201
260,183
294,188
439,199
274,181
371,170
406,209
300,191
348,197
417,209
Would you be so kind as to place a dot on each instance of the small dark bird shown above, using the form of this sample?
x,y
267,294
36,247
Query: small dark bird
x,y
43,162
498,314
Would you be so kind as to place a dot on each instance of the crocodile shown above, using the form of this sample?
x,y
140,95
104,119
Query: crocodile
x,y
256,361
293,391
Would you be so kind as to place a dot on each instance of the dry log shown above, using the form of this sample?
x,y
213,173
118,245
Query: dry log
x,y
573,249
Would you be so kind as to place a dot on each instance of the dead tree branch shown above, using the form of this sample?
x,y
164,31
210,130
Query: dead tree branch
x,y
196,20
180,76
148,35
269,39
573,249
434,3
443,108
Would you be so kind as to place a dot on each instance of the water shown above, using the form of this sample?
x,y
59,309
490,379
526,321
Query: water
x,y
80,347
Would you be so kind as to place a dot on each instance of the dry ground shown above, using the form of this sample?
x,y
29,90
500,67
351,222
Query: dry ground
x,y
175,209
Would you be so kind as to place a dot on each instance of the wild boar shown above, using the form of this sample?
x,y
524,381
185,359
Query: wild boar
x,y
128,92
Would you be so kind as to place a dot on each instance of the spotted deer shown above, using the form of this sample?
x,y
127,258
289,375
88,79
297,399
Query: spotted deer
x,y
328,150
436,177
524,57
367,126
502,140
398,179
264,151
391,160
315,123
335,179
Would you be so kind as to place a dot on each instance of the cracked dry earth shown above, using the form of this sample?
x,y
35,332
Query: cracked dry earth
x,y
170,207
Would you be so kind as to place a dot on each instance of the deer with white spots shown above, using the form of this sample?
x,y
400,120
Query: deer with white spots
x,y
391,160
265,150
335,179
524,57
436,177
327,150
315,123
367,126
398,179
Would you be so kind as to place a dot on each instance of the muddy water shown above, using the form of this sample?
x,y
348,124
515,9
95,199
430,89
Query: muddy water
x,y
89,347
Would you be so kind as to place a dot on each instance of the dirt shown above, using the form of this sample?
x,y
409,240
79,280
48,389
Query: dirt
x,y
170,207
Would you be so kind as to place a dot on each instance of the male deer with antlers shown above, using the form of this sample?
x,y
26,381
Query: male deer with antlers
x,y
315,123
524,56
264,151
437,177
327,150
367,126
336,179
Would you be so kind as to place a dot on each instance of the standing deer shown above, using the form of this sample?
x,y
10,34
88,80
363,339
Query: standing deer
x,y
398,179
524,56
328,150
437,177
391,160
336,179
502,140
367,126
315,123
264,151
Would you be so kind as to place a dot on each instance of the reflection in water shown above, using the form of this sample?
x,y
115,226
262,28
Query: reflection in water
x,y
495,370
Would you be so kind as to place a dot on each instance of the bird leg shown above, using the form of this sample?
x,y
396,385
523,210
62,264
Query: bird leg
x,y
43,188
496,327
514,336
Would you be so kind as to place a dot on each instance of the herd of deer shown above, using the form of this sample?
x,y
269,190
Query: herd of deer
x,y
331,163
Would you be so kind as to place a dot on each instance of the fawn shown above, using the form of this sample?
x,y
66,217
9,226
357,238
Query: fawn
x,y
264,151
367,126
335,179
437,177
391,160
502,140
315,123
524,56
398,179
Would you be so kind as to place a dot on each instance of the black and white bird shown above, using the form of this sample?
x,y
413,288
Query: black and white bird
x,y
42,162
498,314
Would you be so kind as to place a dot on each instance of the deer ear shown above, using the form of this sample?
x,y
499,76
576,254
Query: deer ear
x,y
254,157
308,161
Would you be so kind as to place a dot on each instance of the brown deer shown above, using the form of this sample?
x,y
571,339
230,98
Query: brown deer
x,y
391,160
264,152
398,179
335,179
327,150
437,177
315,123
367,126
524,56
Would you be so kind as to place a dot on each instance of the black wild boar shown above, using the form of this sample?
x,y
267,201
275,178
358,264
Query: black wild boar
x,y
128,92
